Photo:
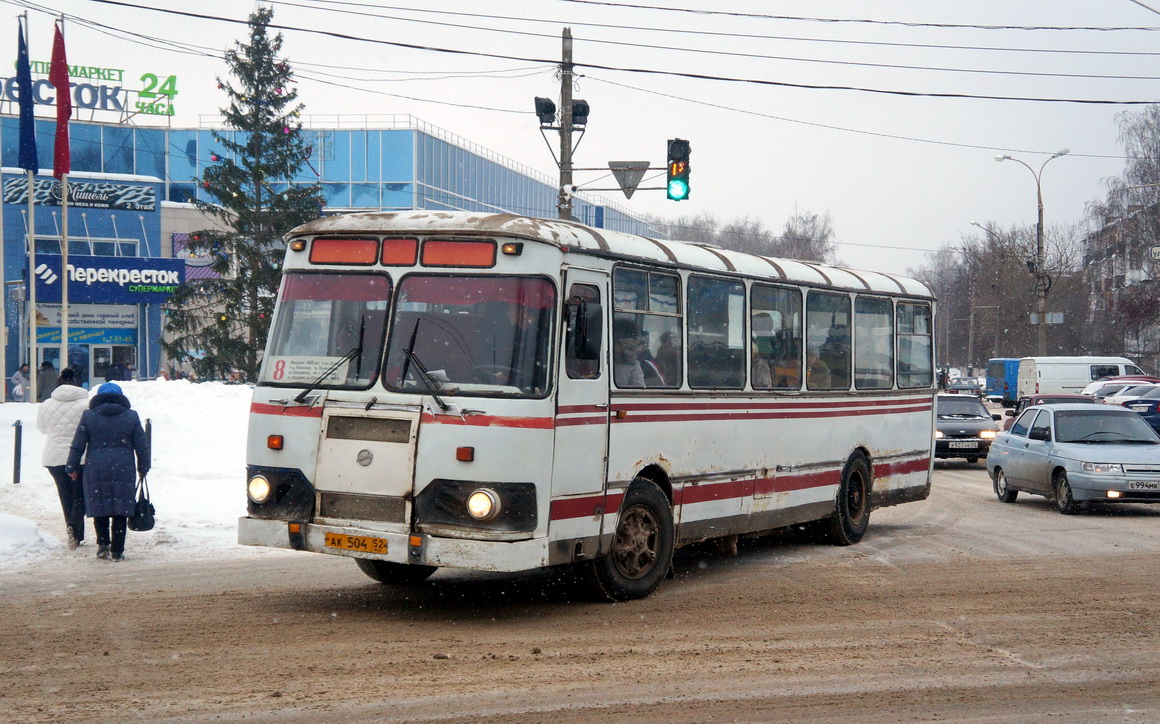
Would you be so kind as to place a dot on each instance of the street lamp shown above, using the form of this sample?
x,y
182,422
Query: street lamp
x,y
993,234
1041,283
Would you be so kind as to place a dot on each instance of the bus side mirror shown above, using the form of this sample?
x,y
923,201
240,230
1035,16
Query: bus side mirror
x,y
587,322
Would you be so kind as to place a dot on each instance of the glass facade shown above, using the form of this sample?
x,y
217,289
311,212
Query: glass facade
x,y
415,167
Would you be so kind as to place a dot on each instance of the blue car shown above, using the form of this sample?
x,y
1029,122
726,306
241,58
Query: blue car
x,y
1147,407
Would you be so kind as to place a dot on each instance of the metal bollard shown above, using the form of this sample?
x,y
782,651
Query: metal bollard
x,y
16,453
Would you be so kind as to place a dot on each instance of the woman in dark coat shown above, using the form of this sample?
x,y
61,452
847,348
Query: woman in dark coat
x,y
111,433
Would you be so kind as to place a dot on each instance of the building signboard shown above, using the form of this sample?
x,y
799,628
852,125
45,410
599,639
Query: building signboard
x,y
88,315
89,194
95,88
109,279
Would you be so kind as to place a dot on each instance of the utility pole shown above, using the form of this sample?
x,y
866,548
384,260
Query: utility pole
x,y
564,204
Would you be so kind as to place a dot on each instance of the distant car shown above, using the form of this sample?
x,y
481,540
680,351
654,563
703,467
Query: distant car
x,y
1147,407
1130,392
1123,379
964,427
1077,454
1024,402
966,386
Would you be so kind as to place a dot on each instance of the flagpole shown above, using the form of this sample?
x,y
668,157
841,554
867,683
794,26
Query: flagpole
x,y
61,165
30,394
63,361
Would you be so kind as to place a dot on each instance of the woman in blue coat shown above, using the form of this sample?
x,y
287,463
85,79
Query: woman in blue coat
x,y
111,433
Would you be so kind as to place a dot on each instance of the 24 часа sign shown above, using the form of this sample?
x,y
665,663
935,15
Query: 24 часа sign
x,y
109,279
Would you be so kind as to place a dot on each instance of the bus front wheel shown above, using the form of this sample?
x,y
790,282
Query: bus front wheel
x,y
642,547
387,572
851,514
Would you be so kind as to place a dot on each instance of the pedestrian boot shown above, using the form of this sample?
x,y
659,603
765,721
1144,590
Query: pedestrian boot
x,y
72,539
118,556
103,552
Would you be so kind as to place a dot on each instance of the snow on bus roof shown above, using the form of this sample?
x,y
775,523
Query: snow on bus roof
x,y
573,235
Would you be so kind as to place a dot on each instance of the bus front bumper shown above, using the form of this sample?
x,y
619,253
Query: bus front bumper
x,y
415,549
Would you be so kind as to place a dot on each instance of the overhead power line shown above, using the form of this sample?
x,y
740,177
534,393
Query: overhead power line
x,y
903,23
650,71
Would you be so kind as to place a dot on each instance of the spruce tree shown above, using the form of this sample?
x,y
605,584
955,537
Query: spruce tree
x,y
249,182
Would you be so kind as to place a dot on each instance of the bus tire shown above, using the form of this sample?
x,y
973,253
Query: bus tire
x,y
851,514
394,573
642,547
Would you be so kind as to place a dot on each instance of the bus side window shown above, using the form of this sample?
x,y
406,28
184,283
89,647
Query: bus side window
x,y
583,340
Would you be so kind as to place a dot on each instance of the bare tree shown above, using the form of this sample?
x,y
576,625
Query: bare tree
x,y
807,236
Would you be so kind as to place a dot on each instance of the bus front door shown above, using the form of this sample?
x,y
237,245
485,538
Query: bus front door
x,y
581,444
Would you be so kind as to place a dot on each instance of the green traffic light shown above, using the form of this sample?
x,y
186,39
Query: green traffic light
x,y
678,189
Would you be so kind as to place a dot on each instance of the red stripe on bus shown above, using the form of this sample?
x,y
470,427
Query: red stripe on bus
x,y
535,423
787,415
570,421
786,483
259,408
901,467
569,409
586,507
797,404
705,492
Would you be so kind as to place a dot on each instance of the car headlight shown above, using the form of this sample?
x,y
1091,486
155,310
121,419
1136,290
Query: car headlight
x,y
258,489
938,435
987,434
1102,468
483,504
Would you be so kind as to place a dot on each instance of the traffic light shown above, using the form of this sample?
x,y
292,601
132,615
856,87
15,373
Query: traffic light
x,y
677,186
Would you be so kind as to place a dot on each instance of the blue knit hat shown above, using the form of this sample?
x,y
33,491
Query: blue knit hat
x,y
109,388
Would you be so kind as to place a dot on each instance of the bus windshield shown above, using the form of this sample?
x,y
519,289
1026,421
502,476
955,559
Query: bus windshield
x,y
328,329
472,335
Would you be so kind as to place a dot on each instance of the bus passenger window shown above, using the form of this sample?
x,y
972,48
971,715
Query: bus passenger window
x,y
827,341
776,337
717,347
647,329
915,363
873,344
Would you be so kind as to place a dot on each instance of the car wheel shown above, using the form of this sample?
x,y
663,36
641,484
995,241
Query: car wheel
x,y
1002,491
1063,498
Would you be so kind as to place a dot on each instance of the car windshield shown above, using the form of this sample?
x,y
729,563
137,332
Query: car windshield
x,y
965,407
1103,427
328,329
1056,400
472,335
1107,390
1150,393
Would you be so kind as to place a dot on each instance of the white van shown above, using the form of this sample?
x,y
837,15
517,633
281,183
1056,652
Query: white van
x,y
1048,375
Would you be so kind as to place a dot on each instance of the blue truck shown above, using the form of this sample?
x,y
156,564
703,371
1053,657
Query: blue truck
x,y
1003,379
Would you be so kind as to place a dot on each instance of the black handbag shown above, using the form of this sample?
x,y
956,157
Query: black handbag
x,y
142,518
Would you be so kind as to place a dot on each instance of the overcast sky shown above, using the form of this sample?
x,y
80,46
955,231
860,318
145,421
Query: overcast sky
x,y
900,174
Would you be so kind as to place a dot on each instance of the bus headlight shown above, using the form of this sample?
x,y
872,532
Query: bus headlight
x,y
483,504
258,489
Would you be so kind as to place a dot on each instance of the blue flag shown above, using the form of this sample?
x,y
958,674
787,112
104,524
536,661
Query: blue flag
x,y
27,118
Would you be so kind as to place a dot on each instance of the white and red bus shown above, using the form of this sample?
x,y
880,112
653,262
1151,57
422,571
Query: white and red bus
x,y
496,392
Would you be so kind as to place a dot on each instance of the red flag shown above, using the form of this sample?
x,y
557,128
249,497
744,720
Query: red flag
x,y
58,76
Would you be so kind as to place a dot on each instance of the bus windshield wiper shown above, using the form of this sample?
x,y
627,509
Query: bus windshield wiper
x,y
409,358
355,353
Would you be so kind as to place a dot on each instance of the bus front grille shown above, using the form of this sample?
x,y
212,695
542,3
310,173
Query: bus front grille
x,y
349,506
370,429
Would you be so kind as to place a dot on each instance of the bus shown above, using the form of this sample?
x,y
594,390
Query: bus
x,y
503,393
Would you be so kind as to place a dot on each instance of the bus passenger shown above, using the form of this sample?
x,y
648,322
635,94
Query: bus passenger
x,y
626,369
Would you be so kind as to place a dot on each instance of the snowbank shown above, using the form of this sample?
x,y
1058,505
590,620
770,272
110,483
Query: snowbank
x,y
197,481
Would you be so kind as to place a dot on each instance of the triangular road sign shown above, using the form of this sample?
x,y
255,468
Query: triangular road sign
x,y
628,174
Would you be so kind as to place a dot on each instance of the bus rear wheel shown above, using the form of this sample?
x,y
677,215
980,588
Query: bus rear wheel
x,y
851,514
394,573
642,547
